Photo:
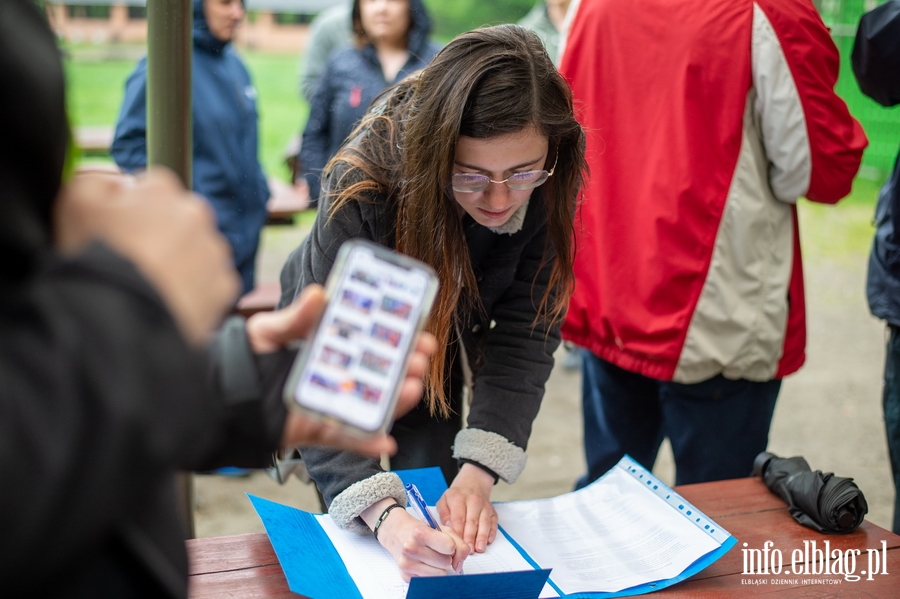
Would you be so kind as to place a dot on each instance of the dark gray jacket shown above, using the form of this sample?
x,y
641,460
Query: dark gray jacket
x,y
510,357
351,81
876,65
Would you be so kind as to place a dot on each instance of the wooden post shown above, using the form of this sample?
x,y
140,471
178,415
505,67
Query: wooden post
x,y
169,128
169,49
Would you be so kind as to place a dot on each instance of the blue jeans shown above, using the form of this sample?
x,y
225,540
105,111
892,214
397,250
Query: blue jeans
x,y
716,427
891,403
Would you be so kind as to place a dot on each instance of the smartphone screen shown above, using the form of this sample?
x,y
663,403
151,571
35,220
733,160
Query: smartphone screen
x,y
357,358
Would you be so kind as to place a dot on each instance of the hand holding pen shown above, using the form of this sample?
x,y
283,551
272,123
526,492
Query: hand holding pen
x,y
417,549
421,508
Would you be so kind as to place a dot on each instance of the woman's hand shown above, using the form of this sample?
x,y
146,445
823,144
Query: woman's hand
x,y
418,549
270,331
466,507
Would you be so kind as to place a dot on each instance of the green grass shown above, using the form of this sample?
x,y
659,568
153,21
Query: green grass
x,y
842,232
95,90
282,113
96,87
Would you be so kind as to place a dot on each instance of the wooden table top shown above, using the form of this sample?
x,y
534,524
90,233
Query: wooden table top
x,y
246,566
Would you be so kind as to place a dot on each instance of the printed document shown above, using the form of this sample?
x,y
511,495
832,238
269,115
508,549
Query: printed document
x,y
609,536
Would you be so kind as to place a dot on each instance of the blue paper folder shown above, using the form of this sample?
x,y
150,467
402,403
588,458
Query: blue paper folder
x,y
314,568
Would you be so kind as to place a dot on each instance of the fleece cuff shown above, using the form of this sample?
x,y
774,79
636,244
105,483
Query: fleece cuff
x,y
352,501
491,450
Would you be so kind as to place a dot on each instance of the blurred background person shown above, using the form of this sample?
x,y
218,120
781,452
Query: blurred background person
x,y
391,41
876,65
706,121
331,30
226,168
546,19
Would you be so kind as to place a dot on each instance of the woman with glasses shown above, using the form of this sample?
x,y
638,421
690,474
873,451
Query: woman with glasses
x,y
472,166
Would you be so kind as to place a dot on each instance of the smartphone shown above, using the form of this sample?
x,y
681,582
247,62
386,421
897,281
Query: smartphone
x,y
351,370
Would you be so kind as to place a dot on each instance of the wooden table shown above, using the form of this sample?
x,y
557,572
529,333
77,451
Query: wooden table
x,y
286,202
94,140
263,298
246,566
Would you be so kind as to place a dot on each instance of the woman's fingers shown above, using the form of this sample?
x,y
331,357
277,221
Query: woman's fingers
x,y
300,430
419,550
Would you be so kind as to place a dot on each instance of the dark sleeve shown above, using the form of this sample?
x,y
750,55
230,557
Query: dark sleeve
x,y
312,260
332,470
100,401
517,361
316,142
250,388
129,146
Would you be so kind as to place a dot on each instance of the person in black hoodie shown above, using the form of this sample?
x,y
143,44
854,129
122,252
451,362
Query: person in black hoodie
x,y
108,296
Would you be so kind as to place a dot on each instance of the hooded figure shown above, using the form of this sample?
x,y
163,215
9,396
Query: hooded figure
x,y
101,398
876,65
226,169
351,81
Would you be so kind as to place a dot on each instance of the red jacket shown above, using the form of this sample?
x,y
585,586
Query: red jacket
x,y
706,120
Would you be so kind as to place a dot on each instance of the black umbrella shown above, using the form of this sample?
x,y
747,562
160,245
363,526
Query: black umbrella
x,y
876,53
823,502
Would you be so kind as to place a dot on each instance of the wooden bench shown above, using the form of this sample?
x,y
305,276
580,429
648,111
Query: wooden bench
x,y
94,140
263,298
285,202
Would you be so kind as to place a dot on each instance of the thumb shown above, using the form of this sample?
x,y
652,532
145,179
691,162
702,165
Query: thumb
x,y
269,331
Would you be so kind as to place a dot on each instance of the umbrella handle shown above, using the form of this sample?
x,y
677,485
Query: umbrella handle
x,y
761,462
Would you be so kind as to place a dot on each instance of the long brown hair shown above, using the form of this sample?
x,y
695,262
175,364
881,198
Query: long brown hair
x,y
487,82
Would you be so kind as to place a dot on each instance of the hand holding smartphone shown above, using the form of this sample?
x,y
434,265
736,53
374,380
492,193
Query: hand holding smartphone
x,y
351,370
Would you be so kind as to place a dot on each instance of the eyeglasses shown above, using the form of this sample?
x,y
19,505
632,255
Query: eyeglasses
x,y
475,182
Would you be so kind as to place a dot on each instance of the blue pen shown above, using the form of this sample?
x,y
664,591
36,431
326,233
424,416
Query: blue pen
x,y
418,504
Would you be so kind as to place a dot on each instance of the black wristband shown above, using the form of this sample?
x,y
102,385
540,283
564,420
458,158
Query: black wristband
x,y
462,461
383,517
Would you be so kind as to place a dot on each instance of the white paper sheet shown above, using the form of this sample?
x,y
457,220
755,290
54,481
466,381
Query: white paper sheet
x,y
609,536
377,577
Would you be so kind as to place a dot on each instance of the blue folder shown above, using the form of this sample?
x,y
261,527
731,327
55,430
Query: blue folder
x,y
314,568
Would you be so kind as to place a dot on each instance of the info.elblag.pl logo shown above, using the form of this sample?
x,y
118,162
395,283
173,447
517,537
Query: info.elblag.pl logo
x,y
813,560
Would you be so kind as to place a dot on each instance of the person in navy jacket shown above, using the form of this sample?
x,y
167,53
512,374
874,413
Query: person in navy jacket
x,y
876,65
391,42
226,168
